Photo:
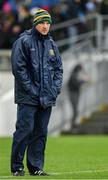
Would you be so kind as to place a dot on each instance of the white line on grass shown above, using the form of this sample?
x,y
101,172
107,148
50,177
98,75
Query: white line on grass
x,y
62,173
78,172
20,178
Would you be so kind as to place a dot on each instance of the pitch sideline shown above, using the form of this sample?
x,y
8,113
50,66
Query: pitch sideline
x,y
62,173
78,172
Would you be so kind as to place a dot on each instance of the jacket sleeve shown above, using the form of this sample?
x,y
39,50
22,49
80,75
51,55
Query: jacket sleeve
x,y
19,58
58,71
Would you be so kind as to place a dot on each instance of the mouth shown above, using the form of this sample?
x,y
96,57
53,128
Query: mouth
x,y
44,31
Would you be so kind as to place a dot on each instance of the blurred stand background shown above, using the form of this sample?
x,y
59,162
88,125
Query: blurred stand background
x,y
80,28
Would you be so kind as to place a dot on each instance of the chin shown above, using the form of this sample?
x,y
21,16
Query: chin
x,y
44,33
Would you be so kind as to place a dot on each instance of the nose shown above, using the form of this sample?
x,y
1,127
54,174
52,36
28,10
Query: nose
x,y
45,24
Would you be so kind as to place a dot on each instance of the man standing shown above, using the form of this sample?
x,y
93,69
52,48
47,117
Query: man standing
x,y
76,80
38,72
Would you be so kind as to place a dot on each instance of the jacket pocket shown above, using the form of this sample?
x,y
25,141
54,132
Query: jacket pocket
x,y
53,91
50,76
34,91
51,86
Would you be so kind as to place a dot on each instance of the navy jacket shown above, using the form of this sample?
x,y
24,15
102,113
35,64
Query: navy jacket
x,y
37,68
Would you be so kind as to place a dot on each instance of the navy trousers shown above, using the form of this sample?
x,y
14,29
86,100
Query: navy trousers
x,y
30,135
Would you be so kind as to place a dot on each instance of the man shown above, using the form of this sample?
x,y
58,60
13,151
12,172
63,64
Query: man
x,y
76,80
37,68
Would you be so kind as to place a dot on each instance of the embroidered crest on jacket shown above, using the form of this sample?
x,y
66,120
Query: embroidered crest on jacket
x,y
51,52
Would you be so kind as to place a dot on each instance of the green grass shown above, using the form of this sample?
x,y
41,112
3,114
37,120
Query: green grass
x,y
74,157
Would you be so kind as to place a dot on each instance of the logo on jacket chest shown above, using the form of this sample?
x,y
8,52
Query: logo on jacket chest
x,y
51,52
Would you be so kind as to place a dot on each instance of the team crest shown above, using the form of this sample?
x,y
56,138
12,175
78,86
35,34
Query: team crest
x,y
51,52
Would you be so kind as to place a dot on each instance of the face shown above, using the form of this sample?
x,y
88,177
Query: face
x,y
43,28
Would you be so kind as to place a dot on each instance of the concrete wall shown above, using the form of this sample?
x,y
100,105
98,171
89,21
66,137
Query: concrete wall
x,y
91,97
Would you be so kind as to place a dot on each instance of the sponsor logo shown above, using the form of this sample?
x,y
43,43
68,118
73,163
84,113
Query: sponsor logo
x,y
51,52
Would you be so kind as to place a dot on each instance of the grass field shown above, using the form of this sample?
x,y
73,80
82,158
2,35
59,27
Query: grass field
x,y
74,157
